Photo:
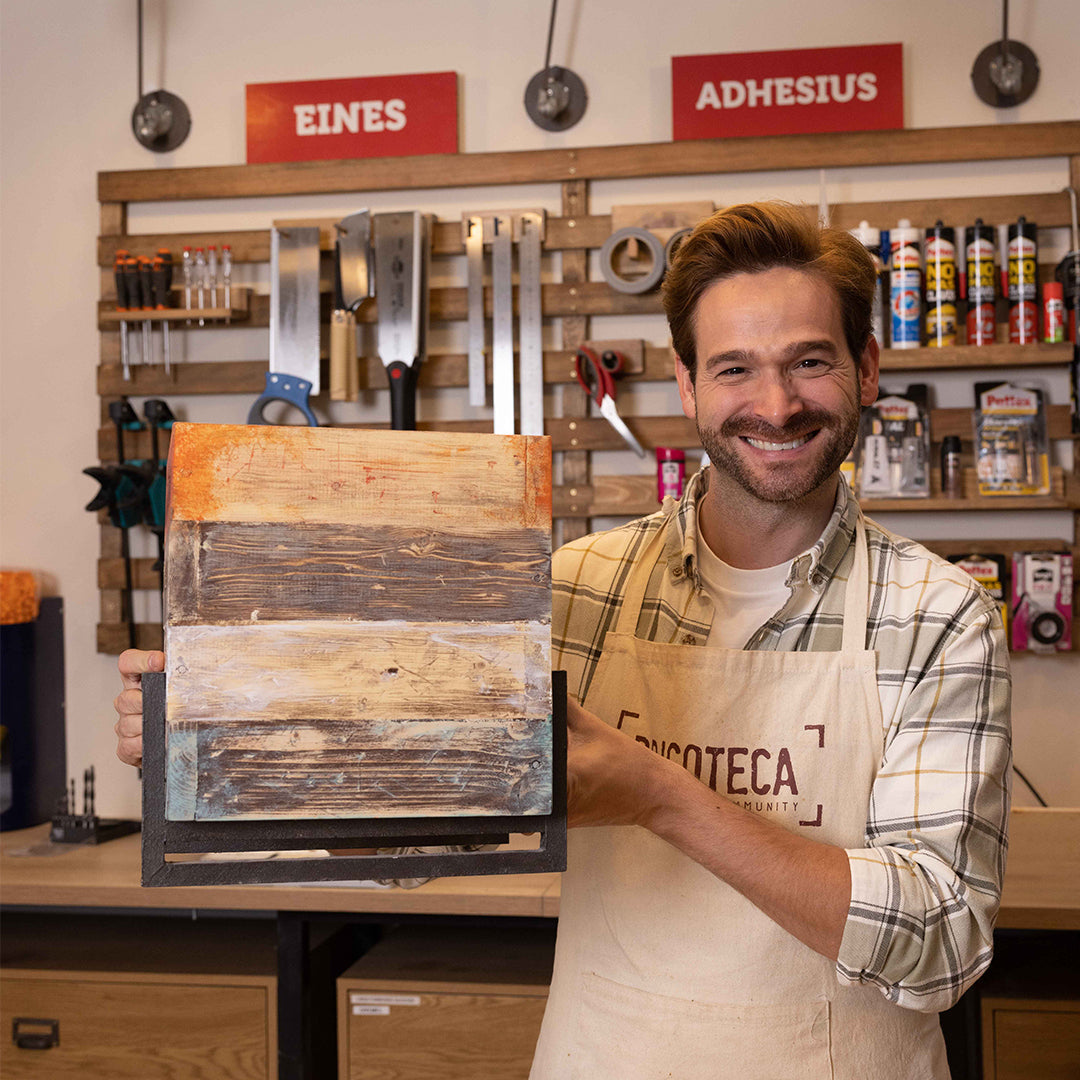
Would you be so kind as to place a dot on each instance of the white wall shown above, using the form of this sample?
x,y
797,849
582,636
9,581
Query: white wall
x,y
67,87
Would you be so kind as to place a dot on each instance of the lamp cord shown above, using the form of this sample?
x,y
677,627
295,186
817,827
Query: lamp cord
x,y
551,32
139,7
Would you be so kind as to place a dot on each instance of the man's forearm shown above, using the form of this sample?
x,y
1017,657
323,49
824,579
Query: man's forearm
x,y
802,885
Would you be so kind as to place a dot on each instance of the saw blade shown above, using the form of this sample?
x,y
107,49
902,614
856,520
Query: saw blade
x,y
294,303
531,359
502,322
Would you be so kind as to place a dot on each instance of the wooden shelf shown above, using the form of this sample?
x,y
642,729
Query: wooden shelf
x,y
109,317
984,142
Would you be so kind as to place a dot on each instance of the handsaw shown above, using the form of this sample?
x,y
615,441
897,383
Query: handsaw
x,y
402,251
294,322
352,286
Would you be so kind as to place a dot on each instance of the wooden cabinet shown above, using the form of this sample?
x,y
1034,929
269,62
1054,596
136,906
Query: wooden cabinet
x,y
1030,1039
444,1003
117,998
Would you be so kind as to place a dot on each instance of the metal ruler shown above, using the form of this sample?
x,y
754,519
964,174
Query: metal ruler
x,y
531,361
502,324
474,258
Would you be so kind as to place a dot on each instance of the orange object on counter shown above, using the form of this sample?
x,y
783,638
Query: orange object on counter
x,y
18,596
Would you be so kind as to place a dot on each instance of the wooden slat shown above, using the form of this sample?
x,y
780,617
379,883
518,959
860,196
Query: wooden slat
x,y
111,573
112,638
633,496
972,357
373,769
845,149
251,474
230,572
359,670
959,422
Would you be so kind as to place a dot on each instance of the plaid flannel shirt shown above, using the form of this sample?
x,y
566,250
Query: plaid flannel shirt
x,y
926,887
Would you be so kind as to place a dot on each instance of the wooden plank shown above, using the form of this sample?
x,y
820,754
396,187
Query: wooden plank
x,y
112,637
392,478
1046,209
845,149
224,377
111,573
362,768
223,572
959,421
359,670
972,357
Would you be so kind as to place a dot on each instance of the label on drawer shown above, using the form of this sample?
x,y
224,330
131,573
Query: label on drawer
x,y
371,1010
384,999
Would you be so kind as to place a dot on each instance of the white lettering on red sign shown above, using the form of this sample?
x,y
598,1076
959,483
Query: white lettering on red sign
x,y
334,118
801,90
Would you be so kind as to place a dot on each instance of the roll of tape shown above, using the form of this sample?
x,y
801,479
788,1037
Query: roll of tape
x,y
638,284
672,246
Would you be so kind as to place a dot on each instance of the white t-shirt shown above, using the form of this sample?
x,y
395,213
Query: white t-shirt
x,y
743,599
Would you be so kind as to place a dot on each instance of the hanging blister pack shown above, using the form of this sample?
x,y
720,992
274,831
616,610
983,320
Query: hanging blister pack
x,y
1012,454
1042,588
894,446
989,572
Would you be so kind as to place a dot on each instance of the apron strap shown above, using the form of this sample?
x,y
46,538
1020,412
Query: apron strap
x,y
857,594
640,571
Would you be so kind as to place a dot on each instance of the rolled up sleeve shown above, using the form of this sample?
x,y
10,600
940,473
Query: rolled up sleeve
x,y
925,890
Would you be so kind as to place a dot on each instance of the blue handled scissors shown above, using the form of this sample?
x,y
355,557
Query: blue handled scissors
x,y
596,376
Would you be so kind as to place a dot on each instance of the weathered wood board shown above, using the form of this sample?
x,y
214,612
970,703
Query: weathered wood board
x,y
358,624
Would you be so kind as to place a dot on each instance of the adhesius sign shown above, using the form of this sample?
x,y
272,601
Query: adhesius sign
x,y
787,92
328,119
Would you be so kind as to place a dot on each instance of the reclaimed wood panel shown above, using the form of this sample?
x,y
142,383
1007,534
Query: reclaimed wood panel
x,y
226,572
357,623
410,671
233,768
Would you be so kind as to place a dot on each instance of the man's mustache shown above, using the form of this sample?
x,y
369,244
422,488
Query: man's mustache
x,y
753,428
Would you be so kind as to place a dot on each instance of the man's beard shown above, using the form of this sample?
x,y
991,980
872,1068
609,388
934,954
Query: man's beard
x,y
835,437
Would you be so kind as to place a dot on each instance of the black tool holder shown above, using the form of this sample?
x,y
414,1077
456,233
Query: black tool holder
x,y
162,838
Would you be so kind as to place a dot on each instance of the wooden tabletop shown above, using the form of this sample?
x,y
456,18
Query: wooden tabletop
x,y
1042,882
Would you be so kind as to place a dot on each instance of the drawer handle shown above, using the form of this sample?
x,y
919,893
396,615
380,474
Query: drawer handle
x,y
35,1040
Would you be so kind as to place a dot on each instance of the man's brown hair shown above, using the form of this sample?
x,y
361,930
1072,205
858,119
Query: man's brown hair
x,y
754,237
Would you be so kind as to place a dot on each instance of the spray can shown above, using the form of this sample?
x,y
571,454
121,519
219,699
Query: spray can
x,y
952,475
1023,283
981,293
940,286
905,299
870,238
1053,312
670,473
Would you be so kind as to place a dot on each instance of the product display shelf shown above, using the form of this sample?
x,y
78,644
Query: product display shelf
x,y
569,302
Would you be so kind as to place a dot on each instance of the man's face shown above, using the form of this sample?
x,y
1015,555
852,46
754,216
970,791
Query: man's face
x,y
777,393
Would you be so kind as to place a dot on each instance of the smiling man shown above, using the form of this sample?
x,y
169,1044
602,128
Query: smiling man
x,y
790,749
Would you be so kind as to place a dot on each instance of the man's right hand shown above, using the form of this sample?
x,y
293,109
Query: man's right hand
x,y
128,702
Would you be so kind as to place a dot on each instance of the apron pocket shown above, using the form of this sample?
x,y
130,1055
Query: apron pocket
x,y
636,1035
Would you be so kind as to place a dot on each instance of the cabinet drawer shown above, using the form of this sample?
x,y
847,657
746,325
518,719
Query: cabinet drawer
x,y
142,1027
1024,1039
442,1036
433,1003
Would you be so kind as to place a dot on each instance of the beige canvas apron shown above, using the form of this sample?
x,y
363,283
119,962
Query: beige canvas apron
x,y
664,971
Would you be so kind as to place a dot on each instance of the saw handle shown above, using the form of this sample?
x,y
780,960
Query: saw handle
x,y
288,388
402,396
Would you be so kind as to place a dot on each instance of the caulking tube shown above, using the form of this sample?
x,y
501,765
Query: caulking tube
x,y
870,238
940,286
905,299
981,293
1023,283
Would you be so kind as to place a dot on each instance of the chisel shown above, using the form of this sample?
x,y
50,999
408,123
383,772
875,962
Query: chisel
x,y
122,304
502,325
162,286
146,297
531,361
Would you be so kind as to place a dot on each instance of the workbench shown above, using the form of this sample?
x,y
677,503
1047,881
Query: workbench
x,y
1042,894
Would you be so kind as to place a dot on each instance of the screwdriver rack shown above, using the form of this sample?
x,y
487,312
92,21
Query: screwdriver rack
x,y
238,311
570,302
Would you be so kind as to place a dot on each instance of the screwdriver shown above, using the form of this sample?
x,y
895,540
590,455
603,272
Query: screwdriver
x,y
200,280
162,284
226,276
146,294
122,305
211,273
187,280
131,280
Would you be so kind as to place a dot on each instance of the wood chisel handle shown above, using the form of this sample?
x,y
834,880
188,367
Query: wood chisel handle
x,y
402,396
342,355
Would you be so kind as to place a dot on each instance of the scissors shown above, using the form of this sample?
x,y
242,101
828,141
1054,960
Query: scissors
x,y
596,376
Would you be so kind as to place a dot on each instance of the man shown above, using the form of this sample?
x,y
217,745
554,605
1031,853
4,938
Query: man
x,y
792,744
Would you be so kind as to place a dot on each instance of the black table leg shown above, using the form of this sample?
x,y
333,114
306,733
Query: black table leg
x,y
293,1001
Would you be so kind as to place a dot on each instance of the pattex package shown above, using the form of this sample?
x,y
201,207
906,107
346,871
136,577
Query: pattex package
x,y
989,572
894,446
1012,454
1042,585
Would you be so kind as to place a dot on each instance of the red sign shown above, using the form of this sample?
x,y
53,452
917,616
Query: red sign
x,y
380,116
787,92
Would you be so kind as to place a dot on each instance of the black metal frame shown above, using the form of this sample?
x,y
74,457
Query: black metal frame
x,y
161,837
